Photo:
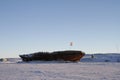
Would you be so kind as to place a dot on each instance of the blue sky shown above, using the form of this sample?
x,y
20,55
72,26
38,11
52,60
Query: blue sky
x,y
28,26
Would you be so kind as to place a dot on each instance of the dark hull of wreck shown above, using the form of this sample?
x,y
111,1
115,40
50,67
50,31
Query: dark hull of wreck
x,y
73,56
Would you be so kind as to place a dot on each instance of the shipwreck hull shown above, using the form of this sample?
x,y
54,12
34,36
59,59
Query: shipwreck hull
x,y
54,56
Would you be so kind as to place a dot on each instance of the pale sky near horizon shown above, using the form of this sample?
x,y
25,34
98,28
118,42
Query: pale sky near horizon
x,y
28,26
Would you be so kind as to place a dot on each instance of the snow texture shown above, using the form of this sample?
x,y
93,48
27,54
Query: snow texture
x,y
95,69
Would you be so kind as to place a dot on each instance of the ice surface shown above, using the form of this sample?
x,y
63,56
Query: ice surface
x,y
101,58
96,68
60,71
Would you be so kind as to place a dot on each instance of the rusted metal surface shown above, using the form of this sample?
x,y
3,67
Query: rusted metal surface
x,y
69,55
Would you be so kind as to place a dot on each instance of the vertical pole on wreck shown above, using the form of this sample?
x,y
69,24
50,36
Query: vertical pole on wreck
x,y
71,44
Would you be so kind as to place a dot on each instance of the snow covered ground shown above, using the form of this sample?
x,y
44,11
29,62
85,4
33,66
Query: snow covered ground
x,y
97,68
109,57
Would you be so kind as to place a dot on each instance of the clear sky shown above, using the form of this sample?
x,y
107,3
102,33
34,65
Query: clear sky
x,y
28,26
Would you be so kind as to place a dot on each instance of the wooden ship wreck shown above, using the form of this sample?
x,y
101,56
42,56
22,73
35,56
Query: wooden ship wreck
x,y
69,55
